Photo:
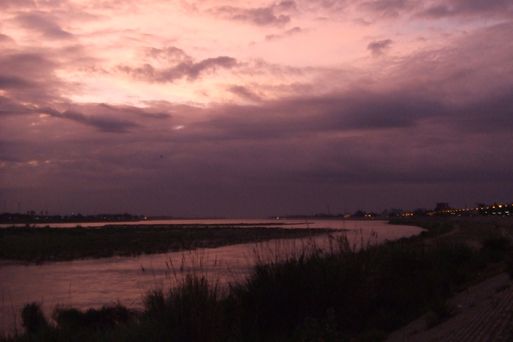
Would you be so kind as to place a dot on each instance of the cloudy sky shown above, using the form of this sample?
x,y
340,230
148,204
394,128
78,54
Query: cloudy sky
x,y
238,108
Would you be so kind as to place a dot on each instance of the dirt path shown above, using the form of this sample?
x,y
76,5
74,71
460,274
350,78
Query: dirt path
x,y
483,312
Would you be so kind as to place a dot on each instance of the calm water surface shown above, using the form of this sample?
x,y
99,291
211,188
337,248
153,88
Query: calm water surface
x,y
96,282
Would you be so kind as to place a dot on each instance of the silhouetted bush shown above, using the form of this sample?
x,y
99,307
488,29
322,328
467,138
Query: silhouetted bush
x,y
193,311
497,247
105,318
377,289
335,295
32,318
440,311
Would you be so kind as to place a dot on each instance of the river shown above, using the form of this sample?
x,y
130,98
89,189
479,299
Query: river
x,y
96,282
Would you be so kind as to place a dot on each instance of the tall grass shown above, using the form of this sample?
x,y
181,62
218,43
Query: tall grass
x,y
372,290
340,293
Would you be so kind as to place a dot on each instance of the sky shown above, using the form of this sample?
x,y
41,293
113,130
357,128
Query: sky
x,y
247,109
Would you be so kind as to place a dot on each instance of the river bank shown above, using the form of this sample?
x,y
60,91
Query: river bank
x,y
335,294
94,282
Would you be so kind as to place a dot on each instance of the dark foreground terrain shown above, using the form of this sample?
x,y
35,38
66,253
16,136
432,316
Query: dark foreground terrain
x,y
53,244
336,295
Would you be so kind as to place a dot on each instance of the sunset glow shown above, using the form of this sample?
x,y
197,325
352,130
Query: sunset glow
x,y
236,108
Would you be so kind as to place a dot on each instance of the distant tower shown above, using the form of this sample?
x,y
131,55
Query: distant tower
x,y
441,206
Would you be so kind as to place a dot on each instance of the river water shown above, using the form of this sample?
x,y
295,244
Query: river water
x,y
96,282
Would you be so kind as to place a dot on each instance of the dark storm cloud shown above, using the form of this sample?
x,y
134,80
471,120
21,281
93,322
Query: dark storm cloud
x,y
332,5
429,9
190,70
28,76
283,147
103,117
108,118
438,125
16,3
10,82
5,38
442,128
389,8
378,47
381,8
33,64
459,72
43,23
170,54
442,87
275,14
245,93
285,5
291,32
469,7
310,115
136,111
491,115
401,110
10,107
102,123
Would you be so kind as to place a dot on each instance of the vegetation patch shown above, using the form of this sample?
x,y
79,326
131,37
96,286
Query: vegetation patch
x,y
52,244
341,294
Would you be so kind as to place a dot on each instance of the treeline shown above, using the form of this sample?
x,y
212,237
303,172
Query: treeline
x,y
32,217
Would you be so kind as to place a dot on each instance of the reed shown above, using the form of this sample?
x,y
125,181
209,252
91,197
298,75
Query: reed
x,y
341,293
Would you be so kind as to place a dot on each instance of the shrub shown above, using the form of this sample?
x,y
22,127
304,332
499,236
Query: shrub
x,y
33,318
192,311
496,248
440,311
105,318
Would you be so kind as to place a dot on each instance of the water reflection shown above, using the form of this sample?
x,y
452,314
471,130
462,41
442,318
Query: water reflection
x,y
96,282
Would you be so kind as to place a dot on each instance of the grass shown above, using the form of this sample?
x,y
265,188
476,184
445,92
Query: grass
x,y
341,294
371,291
52,244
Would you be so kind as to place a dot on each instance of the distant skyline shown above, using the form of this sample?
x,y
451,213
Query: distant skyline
x,y
261,108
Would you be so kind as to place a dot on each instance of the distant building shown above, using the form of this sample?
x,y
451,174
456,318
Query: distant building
x,y
407,213
442,206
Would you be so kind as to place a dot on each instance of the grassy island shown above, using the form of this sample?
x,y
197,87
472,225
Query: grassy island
x,y
337,295
57,244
